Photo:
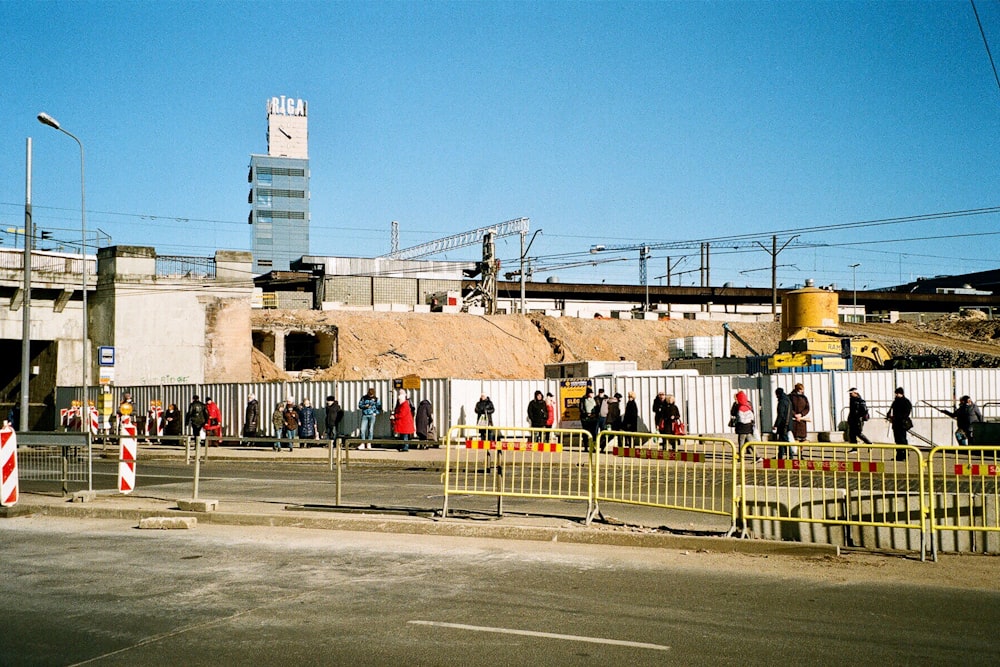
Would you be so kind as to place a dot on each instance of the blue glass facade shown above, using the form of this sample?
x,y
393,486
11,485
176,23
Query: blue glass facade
x,y
279,211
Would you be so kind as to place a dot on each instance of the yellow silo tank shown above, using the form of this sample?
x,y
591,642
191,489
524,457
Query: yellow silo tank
x,y
809,307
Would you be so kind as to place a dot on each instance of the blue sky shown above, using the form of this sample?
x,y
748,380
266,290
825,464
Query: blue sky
x,y
605,123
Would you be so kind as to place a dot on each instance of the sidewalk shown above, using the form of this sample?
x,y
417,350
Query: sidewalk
x,y
534,528
112,505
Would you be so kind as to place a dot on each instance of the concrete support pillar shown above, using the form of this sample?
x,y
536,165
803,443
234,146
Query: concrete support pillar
x,y
279,348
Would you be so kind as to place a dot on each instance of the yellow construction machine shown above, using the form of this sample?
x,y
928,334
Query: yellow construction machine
x,y
811,338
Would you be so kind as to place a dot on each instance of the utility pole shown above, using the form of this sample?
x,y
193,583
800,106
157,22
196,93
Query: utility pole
x,y
29,228
774,268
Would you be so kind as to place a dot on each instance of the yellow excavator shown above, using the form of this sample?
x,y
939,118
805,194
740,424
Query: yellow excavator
x,y
810,335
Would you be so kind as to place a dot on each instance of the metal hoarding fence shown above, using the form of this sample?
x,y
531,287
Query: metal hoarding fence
x,y
517,462
964,498
866,487
692,473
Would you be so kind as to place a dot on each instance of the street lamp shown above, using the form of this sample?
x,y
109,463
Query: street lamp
x,y
46,119
854,270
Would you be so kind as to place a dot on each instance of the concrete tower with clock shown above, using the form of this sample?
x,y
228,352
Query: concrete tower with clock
x,y
279,187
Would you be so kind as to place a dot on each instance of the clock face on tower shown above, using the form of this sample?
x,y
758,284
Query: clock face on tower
x,y
287,136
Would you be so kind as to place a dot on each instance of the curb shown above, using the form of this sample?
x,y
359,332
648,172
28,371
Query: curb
x,y
452,527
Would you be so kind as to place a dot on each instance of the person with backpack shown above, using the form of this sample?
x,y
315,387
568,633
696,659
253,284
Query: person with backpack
x,y
197,417
857,415
966,415
743,421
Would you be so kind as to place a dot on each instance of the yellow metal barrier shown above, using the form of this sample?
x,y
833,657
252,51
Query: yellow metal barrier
x,y
835,484
964,485
505,461
690,473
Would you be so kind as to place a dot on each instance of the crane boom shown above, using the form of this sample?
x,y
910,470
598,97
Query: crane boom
x,y
471,237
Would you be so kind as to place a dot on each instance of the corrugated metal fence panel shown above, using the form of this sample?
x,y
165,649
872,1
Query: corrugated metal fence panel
x,y
934,385
704,401
510,398
351,392
711,397
817,387
876,387
462,405
983,386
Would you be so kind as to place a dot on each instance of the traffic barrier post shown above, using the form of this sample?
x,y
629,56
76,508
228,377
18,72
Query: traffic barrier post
x,y
8,465
126,455
964,499
691,473
517,462
861,486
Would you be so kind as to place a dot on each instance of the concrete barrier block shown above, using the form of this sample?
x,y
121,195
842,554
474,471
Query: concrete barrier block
x,y
168,523
84,496
900,507
199,505
796,503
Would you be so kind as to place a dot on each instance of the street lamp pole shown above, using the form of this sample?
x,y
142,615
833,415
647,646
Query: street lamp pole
x,y
46,119
854,270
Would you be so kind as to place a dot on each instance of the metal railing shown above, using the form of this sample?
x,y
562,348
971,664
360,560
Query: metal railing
x,y
518,462
689,473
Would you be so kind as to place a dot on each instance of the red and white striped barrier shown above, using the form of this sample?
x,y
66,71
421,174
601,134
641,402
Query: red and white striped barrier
x,y
8,464
126,456
95,420
154,421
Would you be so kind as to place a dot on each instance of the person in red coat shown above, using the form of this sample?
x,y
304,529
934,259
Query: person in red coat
x,y
213,429
402,419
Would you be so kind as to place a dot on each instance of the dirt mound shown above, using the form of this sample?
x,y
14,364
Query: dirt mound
x,y
388,345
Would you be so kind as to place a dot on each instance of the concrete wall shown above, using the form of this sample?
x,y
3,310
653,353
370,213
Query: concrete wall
x,y
173,330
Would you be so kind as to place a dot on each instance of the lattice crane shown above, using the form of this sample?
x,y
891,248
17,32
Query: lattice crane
x,y
471,237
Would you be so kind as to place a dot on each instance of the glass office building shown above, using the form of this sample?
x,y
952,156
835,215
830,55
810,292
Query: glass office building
x,y
279,189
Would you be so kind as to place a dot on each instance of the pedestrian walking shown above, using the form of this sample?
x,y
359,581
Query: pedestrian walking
x,y
743,421
966,414
857,415
899,418
781,429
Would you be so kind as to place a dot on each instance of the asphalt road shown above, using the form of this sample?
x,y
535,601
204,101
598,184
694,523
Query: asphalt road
x,y
101,592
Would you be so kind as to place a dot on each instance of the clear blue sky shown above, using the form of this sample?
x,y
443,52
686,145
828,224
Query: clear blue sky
x,y
604,123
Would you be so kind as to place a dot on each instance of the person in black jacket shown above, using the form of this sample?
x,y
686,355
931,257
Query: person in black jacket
x,y
251,418
630,419
197,417
334,414
899,417
857,415
782,421
484,415
966,414
538,414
